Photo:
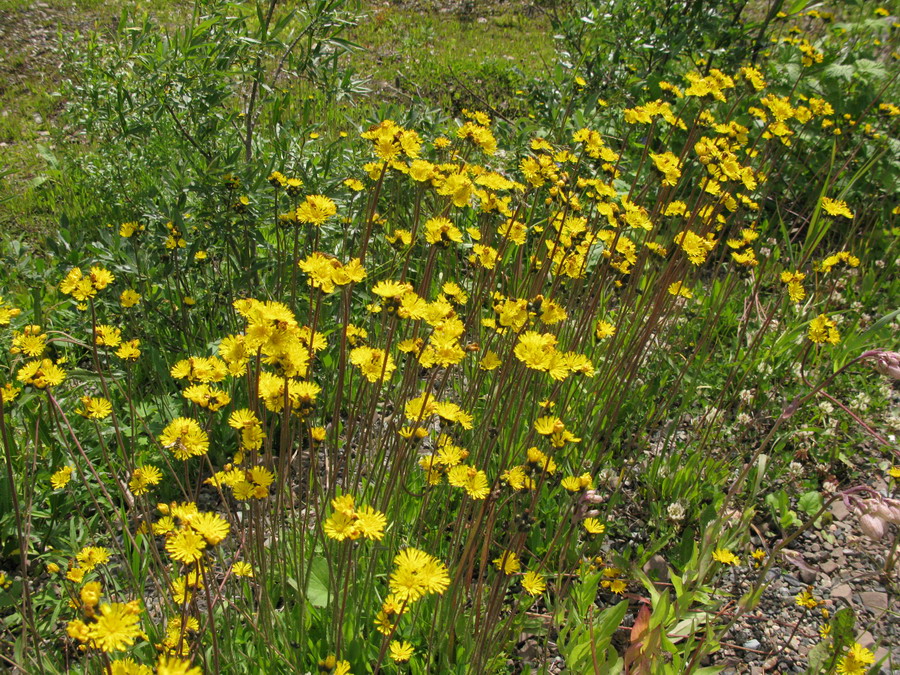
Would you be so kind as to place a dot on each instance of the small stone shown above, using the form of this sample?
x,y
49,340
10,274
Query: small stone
x,y
843,591
866,640
829,567
756,670
771,663
873,600
657,569
752,644
808,576
793,581
839,511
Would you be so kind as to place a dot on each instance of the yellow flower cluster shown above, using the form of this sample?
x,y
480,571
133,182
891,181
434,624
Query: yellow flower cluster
x,y
85,286
351,522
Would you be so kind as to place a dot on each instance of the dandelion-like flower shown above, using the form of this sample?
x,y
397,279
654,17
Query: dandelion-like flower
x,y
401,651
417,574
316,210
856,660
61,478
533,583
726,557
116,627
186,546
185,438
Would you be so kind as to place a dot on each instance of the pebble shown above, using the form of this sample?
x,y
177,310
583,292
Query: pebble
x,y
794,581
839,511
842,591
874,600
808,576
752,644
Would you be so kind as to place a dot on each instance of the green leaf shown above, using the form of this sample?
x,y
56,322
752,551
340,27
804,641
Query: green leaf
x,y
810,502
609,621
839,71
317,590
842,628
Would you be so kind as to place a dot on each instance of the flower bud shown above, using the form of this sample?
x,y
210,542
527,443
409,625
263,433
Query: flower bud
x,y
593,497
892,510
872,526
888,364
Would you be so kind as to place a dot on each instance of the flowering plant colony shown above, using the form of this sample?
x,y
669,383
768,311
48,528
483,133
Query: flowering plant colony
x,y
405,438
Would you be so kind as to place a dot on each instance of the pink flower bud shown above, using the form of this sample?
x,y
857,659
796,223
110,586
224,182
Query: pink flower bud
x,y
888,364
872,526
893,510
878,509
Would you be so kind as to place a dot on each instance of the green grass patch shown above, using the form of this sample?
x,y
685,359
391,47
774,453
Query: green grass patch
x,y
450,60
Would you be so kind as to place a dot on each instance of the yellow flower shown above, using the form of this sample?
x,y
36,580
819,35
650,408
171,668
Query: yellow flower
x,y
508,562
726,557
128,229
472,480
316,209
90,594
186,546
116,627
76,574
604,329
401,651
695,246
7,312
170,665
594,526
375,364
822,329
490,361
536,350
578,483
61,478
185,438
348,522
8,392
94,408
211,526
41,374
678,288
142,478
617,586
242,569
129,351
129,298
856,660
92,556
533,583
417,574
835,207
441,231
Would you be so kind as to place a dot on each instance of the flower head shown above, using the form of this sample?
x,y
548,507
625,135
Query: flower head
x,y
726,557
401,651
417,574
533,583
